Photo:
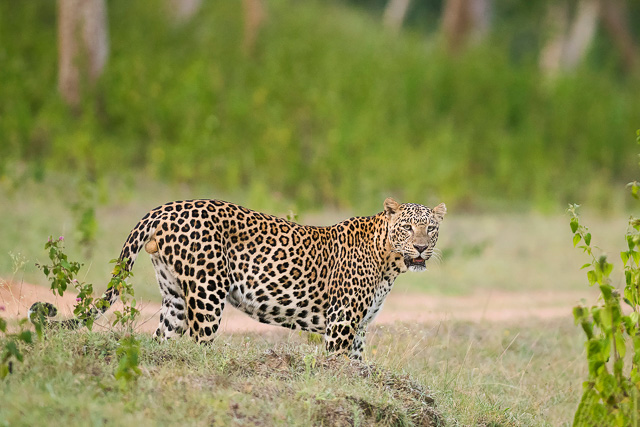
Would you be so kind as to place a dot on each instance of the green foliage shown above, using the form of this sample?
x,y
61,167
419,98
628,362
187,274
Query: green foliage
x,y
328,111
10,345
129,312
611,395
128,353
62,272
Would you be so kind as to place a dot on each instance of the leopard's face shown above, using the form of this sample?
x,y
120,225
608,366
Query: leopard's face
x,y
413,231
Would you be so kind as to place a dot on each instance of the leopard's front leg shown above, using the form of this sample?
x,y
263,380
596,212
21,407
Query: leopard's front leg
x,y
341,334
357,349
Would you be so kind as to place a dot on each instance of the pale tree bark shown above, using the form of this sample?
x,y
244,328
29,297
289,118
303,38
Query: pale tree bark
x,y
254,16
394,14
183,10
464,22
570,38
613,13
83,45
551,55
581,33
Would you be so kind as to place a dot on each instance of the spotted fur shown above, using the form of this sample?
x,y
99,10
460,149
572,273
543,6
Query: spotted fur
x,y
330,280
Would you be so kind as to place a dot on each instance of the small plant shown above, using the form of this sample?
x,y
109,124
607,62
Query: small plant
x,y
611,393
129,313
62,273
10,342
128,359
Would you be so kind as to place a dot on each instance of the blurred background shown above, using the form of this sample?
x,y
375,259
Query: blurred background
x,y
505,110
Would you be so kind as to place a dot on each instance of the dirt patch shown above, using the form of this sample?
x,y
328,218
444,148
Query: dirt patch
x,y
493,306
408,401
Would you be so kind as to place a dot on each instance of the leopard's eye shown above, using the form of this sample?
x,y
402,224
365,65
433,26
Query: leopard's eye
x,y
407,227
431,228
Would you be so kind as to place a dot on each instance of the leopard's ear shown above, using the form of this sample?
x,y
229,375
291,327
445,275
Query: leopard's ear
x,y
440,211
390,206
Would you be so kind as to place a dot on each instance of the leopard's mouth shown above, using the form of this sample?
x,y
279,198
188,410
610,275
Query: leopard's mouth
x,y
415,262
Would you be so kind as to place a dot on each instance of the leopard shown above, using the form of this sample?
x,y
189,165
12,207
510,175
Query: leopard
x,y
329,280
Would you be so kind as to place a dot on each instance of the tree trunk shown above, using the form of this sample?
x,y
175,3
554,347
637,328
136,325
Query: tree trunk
x,y
83,45
394,14
571,38
183,10
613,14
551,55
581,33
465,21
254,16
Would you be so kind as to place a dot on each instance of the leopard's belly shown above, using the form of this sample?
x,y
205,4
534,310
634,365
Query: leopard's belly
x,y
266,309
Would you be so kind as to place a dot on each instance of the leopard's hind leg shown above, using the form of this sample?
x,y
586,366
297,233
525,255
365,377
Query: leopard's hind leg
x,y
193,274
173,321
206,284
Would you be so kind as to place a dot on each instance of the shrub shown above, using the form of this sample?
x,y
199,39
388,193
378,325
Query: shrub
x,y
611,394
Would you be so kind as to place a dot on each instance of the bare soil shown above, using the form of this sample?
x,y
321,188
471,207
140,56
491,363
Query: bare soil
x,y
400,306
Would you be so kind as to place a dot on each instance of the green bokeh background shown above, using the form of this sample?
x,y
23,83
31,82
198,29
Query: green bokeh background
x,y
329,111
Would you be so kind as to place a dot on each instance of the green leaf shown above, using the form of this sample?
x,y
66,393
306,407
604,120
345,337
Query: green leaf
x,y
587,238
621,345
26,337
12,349
605,318
595,312
593,348
574,224
591,275
606,290
607,268
576,239
630,296
625,257
587,265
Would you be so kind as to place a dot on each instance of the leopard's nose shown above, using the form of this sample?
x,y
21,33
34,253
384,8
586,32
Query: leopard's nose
x,y
420,248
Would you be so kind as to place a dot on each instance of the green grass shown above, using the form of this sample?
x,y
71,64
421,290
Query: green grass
x,y
524,373
512,373
478,374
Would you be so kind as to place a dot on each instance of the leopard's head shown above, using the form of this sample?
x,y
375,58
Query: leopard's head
x,y
413,231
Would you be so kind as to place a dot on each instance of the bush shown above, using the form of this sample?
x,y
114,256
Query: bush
x,y
330,111
611,395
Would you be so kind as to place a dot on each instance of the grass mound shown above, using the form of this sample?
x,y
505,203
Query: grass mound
x,y
236,380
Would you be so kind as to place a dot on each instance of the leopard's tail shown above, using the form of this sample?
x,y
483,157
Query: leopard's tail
x,y
140,236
